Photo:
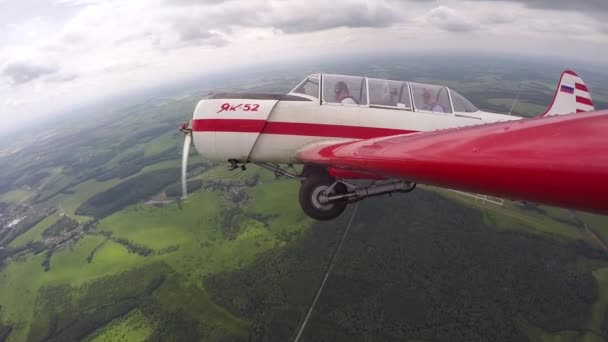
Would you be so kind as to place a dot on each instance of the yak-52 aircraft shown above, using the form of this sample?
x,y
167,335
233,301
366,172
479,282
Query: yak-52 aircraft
x,y
395,134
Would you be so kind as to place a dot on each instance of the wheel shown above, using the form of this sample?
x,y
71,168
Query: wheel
x,y
311,190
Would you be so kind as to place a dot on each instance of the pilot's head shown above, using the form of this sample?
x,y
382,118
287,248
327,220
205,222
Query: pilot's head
x,y
341,91
428,97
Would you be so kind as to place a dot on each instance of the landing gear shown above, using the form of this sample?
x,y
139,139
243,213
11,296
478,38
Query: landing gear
x,y
313,197
323,197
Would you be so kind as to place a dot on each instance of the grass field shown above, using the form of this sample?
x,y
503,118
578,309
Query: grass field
x,y
161,143
15,196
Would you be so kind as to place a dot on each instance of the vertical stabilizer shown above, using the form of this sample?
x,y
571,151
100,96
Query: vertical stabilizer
x,y
571,96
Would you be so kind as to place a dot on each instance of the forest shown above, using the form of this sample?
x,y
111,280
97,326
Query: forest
x,y
128,192
400,277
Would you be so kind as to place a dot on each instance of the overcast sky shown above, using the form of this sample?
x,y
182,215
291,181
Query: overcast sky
x,y
58,53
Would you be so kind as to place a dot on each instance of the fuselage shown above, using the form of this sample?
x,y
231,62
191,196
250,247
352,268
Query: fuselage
x,y
273,128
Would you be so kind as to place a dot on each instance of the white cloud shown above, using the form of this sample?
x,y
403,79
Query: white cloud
x,y
78,50
449,19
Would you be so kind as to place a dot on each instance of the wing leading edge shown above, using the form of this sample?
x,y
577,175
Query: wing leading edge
x,y
558,160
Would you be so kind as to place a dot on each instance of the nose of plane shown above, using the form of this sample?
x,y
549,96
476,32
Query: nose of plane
x,y
202,134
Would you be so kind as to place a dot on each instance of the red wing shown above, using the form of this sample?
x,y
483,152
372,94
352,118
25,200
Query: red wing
x,y
560,160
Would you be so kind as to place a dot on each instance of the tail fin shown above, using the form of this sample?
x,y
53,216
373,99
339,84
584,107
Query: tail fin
x,y
571,96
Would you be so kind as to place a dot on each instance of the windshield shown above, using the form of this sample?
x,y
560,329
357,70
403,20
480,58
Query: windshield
x,y
461,104
309,87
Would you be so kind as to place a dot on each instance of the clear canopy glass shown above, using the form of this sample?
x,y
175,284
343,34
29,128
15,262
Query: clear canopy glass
x,y
310,87
389,93
353,91
346,90
431,98
461,104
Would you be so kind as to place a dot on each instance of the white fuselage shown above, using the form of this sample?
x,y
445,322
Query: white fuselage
x,y
273,129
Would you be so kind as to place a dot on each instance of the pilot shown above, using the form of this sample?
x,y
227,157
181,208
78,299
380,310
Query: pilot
x,y
430,102
342,94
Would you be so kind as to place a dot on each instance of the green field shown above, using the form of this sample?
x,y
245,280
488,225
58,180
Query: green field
x,y
15,196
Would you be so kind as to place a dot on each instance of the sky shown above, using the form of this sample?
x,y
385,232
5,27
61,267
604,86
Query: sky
x,y
56,54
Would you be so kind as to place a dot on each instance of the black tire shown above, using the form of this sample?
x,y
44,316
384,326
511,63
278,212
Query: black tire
x,y
313,171
310,190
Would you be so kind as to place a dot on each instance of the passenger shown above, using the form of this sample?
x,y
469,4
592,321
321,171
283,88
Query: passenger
x,y
430,102
394,97
342,94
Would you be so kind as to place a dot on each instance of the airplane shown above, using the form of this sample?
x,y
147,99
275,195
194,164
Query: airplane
x,y
359,137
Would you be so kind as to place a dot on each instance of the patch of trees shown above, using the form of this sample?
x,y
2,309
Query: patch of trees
x,y
132,166
66,317
133,247
127,193
33,180
138,155
419,267
92,254
8,252
62,226
89,162
264,218
252,181
65,313
46,262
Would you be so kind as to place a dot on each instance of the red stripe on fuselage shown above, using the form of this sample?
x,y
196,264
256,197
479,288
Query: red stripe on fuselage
x,y
584,100
228,125
293,128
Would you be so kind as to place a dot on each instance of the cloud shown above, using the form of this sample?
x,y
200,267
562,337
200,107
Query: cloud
x,y
587,6
58,78
200,20
448,19
22,72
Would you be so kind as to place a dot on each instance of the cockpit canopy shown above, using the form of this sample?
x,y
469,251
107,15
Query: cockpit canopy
x,y
372,92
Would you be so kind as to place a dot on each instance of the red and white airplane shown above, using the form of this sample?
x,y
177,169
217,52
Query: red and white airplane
x,y
396,134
